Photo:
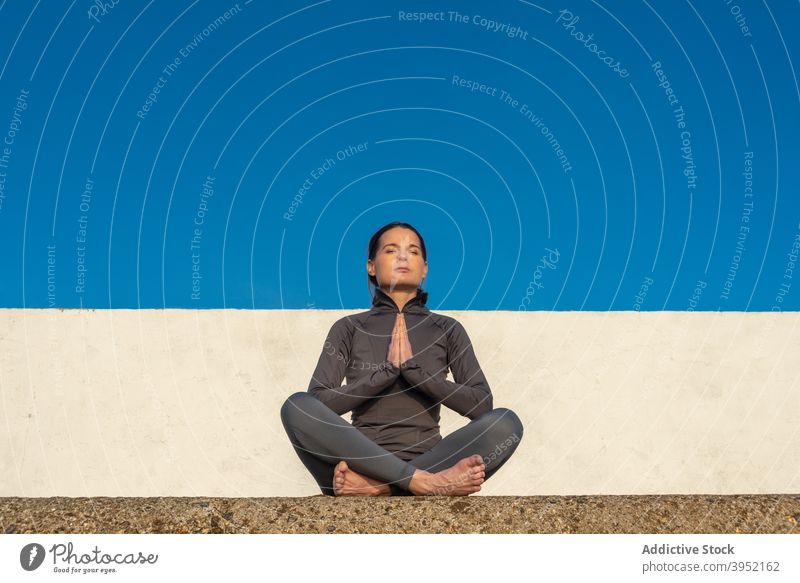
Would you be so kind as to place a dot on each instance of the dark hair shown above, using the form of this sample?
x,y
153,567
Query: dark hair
x,y
372,248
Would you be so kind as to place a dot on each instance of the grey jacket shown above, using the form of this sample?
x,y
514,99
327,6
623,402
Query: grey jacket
x,y
398,407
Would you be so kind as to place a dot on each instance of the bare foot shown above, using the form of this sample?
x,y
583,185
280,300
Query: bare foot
x,y
462,479
348,482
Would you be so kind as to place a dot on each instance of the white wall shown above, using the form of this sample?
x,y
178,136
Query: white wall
x,y
185,403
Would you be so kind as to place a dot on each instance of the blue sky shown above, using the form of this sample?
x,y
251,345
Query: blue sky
x,y
575,156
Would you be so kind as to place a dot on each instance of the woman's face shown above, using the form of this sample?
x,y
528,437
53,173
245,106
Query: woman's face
x,y
398,261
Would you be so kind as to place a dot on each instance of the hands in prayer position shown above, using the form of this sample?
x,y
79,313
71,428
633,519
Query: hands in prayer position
x,y
400,347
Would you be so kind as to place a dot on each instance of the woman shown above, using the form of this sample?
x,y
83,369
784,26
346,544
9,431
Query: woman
x,y
395,358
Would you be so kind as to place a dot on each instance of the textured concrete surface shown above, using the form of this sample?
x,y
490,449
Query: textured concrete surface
x,y
186,402
441,514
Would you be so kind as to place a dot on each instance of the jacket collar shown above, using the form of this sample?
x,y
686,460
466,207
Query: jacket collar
x,y
383,301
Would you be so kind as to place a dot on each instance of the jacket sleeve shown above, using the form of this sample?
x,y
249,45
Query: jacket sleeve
x,y
326,382
470,394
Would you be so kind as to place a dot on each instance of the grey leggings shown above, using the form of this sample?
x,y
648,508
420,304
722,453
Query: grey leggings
x,y
322,438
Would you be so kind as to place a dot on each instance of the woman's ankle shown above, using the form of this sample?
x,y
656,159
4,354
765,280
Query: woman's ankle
x,y
418,485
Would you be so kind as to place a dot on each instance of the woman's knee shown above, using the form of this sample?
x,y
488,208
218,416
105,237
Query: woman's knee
x,y
297,404
505,423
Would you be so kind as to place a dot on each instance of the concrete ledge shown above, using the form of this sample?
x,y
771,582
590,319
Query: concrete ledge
x,y
775,514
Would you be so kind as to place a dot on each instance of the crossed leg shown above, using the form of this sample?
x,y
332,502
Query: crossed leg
x,y
456,465
494,436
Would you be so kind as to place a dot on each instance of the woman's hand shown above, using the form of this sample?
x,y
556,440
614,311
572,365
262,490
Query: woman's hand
x,y
405,344
394,345
400,347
